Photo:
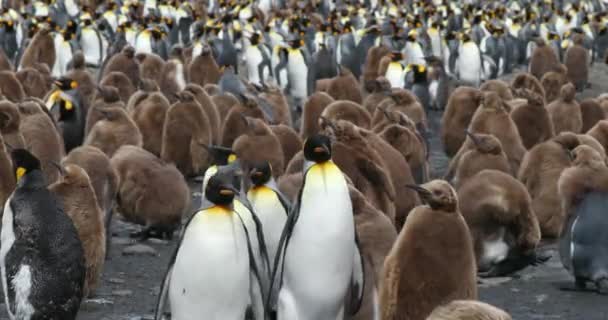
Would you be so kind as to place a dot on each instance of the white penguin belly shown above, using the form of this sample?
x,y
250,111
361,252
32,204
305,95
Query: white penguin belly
x,y
63,56
496,250
143,43
210,276
318,262
433,89
253,57
298,75
414,54
180,77
7,238
22,284
469,64
272,215
90,44
395,75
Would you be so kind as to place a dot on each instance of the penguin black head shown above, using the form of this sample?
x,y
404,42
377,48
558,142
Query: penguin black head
x,y
66,84
420,73
260,173
221,155
220,189
24,162
396,56
317,148
255,39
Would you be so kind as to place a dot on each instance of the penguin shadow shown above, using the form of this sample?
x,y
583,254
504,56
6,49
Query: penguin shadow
x,y
584,287
514,263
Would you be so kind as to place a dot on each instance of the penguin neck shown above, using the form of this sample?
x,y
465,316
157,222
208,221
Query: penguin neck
x,y
33,180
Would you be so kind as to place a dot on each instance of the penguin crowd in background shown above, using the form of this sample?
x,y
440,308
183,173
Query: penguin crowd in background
x,y
308,124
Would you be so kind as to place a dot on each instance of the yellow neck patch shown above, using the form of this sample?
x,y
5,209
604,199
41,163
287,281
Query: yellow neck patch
x,y
231,158
20,172
218,210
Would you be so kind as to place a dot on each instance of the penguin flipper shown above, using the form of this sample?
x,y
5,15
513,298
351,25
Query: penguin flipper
x,y
357,284
285,203
163,297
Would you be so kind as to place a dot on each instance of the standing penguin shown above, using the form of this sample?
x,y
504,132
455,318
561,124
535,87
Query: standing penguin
x,y
66,102
218,231
41,257
314,278
435,244
299,75
257,57
576,59
469,67
583,241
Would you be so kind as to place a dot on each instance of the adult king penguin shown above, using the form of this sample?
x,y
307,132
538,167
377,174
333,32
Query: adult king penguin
x,y
318,249
41,256
213,243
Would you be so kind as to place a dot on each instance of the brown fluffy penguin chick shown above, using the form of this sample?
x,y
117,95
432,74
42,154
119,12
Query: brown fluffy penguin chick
x,y
107,96
543,59
34,83
10,120
379,91
114,131
212,89
203,69
404,101
553,81
492,118
576,60
124,62
398,171
186,133
498,210
529,82
149,116
371,66
41,49
84,78
592,142
600,133
7,176
313,108
345,87
376,235
591,113
119,81
173,78
80,204
468,310
566,112
484,151
278,102
539,172
234,126
151,192
5,63
259,144
498,86
150,66
457,116
349,111
532,119
435,245
224,103
11,87
209,108
290,141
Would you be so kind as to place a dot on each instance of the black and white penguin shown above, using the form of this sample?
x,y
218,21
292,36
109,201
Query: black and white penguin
x,y
41,256
91,41
396,71
298,63
317,271
469,67
257,58
218,230
65,103
420,84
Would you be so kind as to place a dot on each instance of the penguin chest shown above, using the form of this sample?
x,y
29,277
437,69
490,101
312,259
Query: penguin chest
x,y
298,74
143,42
395,75
414,54
253,58
495,249
469,62
63,56
272,215
91,46
319,258
211,272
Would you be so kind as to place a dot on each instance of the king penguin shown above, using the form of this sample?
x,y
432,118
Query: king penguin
x,y
298,62
257,57
66,103
91,42
318,250
210,272
396,72
41,256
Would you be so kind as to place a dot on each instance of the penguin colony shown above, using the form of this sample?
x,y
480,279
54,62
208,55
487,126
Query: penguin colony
x,y
307,123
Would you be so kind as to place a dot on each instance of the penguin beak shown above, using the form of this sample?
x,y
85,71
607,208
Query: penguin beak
x,y
424,193
472,136
228,191
321,150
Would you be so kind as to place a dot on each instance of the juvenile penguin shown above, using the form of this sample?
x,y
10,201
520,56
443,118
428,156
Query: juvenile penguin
x,y
80,204
461,107
529,82
35,83
121,82
308,264
259,144
539,172
115,130
10,121
349,111
484,151
505,231
592,113
150,192
406,102
576,60
532,119
218,230
107,97
41,49
447,247
291,143
185,134
582,188
234,126
600,133
498,86
313,108
493,118
379,90
11,87
124,62
203,69
566,112
41,256
553,81
345,87
149,114
209,108
468,310
543,59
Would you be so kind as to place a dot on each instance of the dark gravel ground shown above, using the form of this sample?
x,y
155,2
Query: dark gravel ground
x,y
131,282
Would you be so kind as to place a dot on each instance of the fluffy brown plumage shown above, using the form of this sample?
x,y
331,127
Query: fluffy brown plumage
x,y
234,126
121,82
345,87
576,60
11,87
591,113
203,69
566,112
209,108
529,82
291,143
532,119
543,59
149,115
41,49
349,111
553,81
313,108
498,86
600,133
34,82
461,107
113,131
468,310
259,144
124,62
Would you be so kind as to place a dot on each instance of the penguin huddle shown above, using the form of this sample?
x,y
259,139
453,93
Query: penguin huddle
x,y
309,125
